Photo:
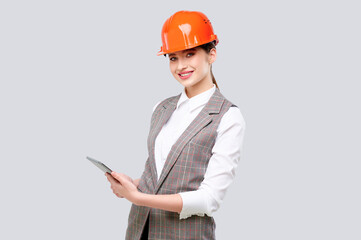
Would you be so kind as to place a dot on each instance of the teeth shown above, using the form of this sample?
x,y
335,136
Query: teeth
x,y
186,74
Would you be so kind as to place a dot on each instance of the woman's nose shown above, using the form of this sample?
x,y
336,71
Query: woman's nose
x,y
182,64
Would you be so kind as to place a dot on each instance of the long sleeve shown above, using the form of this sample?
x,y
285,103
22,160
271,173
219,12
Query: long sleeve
x,y
220,173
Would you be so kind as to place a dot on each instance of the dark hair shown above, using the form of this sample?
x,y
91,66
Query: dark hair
x,y
208,47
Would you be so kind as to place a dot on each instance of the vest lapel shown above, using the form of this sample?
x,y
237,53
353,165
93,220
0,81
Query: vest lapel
x,y
204,117
165,113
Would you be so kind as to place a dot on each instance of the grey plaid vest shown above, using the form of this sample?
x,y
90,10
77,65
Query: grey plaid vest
x,y
183,171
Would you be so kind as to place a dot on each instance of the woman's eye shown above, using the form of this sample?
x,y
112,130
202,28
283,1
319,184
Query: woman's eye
x,y
190,54
172,59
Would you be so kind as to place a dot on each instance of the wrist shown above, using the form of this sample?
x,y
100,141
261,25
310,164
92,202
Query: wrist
x,y
137,198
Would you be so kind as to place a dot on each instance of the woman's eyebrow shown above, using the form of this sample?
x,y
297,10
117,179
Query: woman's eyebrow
x,y
184,51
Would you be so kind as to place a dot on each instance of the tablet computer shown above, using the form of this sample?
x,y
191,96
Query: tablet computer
x,y
100,165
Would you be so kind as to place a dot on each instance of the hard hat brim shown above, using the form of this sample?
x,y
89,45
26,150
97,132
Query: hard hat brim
x,y
213,37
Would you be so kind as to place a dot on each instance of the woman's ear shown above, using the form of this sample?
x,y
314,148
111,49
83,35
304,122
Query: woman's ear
x,y
212,55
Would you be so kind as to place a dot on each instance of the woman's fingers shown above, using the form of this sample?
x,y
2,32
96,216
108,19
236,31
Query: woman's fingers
x,y
121,184
114,185
116,176
117,193
120,177
126,177
111,179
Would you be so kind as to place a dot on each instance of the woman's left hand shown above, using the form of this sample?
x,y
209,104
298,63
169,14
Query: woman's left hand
x,y
122,185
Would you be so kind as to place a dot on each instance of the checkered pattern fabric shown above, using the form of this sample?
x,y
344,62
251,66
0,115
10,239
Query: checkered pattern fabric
x,y
183,171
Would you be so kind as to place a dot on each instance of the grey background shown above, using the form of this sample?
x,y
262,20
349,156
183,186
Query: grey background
x,y
80,78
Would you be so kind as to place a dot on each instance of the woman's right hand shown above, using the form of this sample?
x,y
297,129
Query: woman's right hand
x,y
110,177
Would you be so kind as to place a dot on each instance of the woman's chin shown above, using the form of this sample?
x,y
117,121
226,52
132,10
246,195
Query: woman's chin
x,y
187,84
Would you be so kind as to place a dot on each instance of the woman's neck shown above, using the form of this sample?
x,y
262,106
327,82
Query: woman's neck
x,y
199,87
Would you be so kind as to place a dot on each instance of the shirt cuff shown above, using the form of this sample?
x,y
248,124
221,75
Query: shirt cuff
x,y
194,203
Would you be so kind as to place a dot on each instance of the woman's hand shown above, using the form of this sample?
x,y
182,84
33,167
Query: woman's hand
x,y
136,182
122,185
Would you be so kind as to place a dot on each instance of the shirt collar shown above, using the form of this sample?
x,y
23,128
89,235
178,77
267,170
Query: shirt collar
x,y
198,100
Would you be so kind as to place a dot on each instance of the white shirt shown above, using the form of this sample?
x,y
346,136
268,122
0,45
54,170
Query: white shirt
x,y
222,164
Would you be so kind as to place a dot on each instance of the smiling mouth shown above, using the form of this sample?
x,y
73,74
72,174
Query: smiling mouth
x,y
185,75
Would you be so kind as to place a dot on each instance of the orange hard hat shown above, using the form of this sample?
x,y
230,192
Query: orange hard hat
x,y
184,30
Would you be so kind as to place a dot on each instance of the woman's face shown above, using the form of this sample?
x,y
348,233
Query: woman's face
x,y
191,66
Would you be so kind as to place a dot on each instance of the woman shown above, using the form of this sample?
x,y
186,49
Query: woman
x,y
194,143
